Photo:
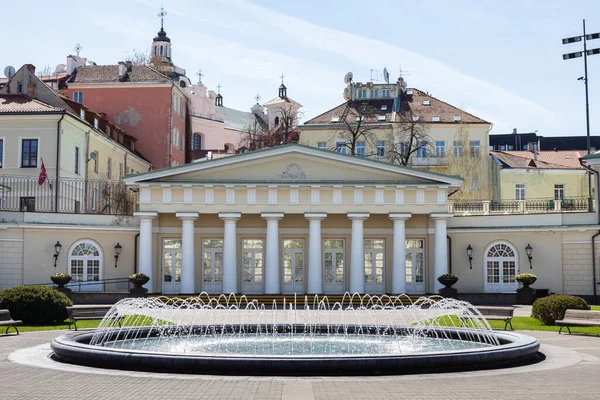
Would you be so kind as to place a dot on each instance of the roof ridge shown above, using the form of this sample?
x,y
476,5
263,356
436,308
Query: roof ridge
x,y
448,104
323,113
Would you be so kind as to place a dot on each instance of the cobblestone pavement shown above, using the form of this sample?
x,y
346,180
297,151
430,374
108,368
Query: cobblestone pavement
x,y
570,371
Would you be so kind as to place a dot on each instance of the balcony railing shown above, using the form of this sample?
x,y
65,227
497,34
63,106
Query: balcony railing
x,y
532,206
67,195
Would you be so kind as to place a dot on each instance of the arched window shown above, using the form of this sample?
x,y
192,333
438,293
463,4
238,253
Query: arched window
x,y
501,267
155,50
276,120
85,265
161,50
197,142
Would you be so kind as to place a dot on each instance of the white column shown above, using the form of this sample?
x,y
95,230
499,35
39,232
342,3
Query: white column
x,y
145,265
230,273
440,245
272,256
357,255
188,274
399,252
315,256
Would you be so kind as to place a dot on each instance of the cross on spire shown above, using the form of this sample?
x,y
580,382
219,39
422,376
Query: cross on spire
x,y
257,97
282,76
162,14
218,88
78,48
200,75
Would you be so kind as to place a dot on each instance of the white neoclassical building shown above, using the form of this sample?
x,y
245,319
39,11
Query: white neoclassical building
x,y
293,219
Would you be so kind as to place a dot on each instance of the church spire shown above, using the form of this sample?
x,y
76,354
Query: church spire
x,y
282,88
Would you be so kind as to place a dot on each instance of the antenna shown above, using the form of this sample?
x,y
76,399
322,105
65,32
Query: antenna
x,y
376,74
402,73
78,48
386,75
9,71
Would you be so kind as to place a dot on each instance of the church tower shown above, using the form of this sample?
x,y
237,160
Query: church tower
x,y
161,45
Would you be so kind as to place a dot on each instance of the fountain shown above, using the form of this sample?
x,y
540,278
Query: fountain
x,y
362,334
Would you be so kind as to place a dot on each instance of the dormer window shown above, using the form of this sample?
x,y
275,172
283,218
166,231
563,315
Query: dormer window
x,y
457,118
435,118
82,114
96,123
415,117
335,119
384,107
359,118
426,102
381,118
409,92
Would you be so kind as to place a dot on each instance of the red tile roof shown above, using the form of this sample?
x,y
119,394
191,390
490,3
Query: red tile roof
x,y
110,74
18,103
436,108
545,159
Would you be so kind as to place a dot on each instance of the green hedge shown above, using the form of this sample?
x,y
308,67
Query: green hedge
x,y
35,305
549,309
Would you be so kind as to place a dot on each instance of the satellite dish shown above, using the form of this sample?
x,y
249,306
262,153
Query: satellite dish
x,y
347,93
404,84
60,68
9,71
386,75
348,78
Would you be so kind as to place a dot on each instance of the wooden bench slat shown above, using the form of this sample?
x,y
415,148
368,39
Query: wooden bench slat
x,y
578,318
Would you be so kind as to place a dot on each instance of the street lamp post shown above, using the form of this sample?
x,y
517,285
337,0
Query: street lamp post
x,y
568,56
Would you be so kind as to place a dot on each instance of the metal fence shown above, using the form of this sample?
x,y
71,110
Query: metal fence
x,y
66,195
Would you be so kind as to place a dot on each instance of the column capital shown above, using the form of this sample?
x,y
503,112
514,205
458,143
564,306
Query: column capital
x,y
399,216
318,216
359,216
441,215
274,216
145,214
230,216
187,215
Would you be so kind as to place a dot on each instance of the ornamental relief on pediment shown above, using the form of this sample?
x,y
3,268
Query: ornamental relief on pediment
x,y
293,171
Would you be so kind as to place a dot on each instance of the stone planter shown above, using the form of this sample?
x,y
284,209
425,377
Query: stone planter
x,y
527,281
448,290
447,281
525,294
138,289
139,282
61,282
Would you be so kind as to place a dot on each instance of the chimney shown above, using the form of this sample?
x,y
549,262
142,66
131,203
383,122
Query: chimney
x,y
71,64
31,68
129,65
514,131
122,70
535,150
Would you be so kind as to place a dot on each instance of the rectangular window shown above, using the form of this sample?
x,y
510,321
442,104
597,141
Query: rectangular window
x,y
27,204
360,149
96,123
474,146
340,147
421,149
1,153
109,169
374,93
386,93
380,149
520,191
322,145
402,148
525,147
94,158
77,157
127,170
78,97
29,153
511,147
175,138
440,149
120,170
559,192
362,93
458,149
20,87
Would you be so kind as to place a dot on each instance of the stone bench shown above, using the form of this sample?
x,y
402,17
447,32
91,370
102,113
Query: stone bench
x,y
492,314
83,312
578,318
6,320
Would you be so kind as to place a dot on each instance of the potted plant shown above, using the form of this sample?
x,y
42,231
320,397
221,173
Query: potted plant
x,y
447,279
526,279
61,279
138,280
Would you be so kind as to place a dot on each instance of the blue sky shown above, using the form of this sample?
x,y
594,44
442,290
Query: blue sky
x,y
500,60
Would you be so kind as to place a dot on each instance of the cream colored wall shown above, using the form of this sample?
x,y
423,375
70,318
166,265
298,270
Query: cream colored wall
x,y
11,258
539,183
39,265
119,155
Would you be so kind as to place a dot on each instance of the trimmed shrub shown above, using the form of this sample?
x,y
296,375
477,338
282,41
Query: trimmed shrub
x,y
549,309
35,305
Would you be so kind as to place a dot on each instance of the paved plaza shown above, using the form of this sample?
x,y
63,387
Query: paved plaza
x,y
570,371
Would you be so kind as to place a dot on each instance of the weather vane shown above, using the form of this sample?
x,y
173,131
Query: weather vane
x,y
282,76
162,14
78,48
257,97
200,75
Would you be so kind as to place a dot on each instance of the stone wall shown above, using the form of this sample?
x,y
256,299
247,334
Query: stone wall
x,y
11,263
577,267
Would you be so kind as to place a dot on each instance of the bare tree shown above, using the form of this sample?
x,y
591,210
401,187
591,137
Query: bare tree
x,y
286,131
253,137
46,71
409,135
467,159
356,126
138,57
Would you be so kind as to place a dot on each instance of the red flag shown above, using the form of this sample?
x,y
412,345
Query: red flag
x,y
43,175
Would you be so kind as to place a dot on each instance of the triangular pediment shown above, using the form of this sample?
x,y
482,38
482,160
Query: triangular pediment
x,y
294,164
